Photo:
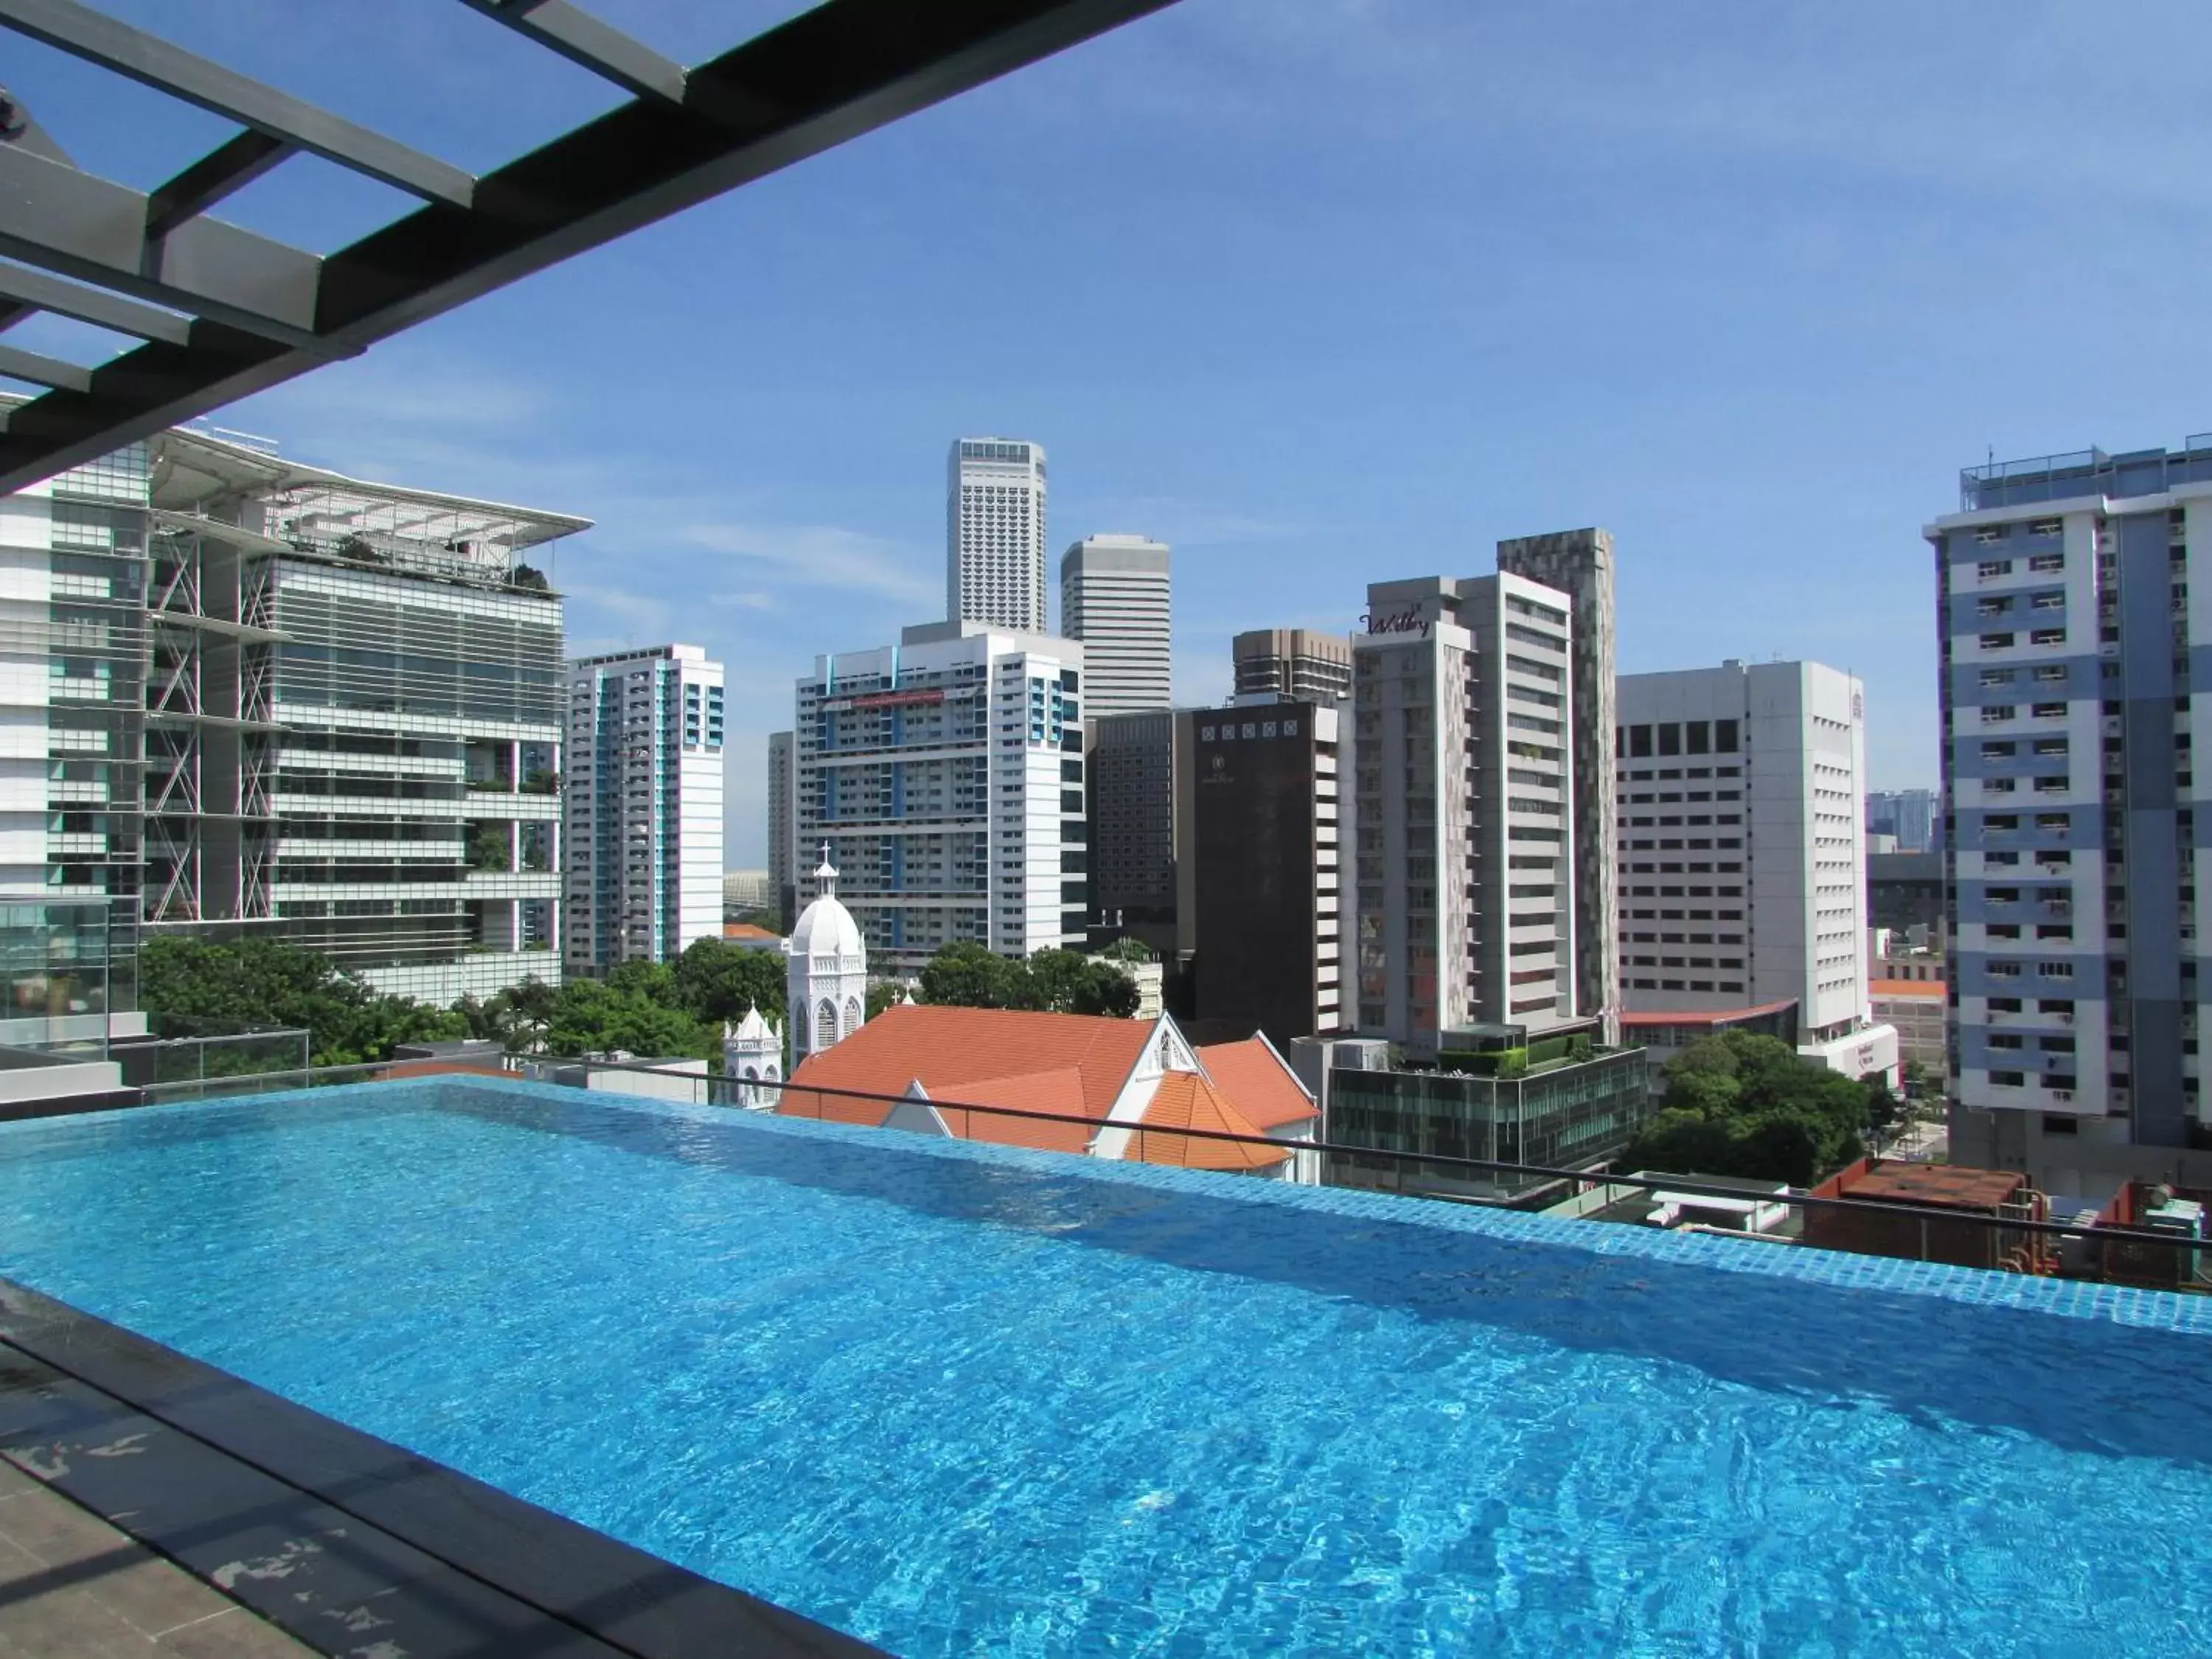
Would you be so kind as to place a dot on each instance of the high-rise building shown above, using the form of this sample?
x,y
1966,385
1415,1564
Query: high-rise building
x,y
73,656
644,800
1129,771
1741,859
1265,842
1463,699
2070,629
353,719
1293,662
783,825
1114,598
946,774
1579,563
994,535
1907,814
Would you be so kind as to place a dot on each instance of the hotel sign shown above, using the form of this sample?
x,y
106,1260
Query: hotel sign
x,y
1409,621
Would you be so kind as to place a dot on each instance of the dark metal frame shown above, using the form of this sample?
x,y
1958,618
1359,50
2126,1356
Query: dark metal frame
x,y
245,313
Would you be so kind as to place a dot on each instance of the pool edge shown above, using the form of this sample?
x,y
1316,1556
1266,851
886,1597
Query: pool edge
x,y
328,1532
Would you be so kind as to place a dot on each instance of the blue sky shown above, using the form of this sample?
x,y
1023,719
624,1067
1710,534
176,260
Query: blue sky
x,y
1318,291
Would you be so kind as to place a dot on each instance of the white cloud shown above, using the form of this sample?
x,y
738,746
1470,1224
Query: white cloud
x,y
824,556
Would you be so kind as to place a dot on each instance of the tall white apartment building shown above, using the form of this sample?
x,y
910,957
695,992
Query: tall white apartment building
x,y
1114,598
994,535
1743,853
644,806
945,775
1463,785
2073,640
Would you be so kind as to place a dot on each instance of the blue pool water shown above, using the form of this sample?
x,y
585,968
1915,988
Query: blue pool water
x,y
969,1400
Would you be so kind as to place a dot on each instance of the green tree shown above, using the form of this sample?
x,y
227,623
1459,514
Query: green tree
x,y
597,1017
1128,949
884,994
1919,1084
198,987
716,981
965,974
1884,1112
1745,1105
488,848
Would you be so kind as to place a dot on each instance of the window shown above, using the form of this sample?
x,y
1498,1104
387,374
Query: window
x,y
1998,676
1996,642
2048,711
2051,673
1724,739
1639,741
1998,750
2044,563
2052,601
2047,636
2056,969
2004,970
1994,713
2008,1079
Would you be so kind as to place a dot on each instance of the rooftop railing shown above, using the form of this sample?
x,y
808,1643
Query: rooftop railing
x,y
2004,1238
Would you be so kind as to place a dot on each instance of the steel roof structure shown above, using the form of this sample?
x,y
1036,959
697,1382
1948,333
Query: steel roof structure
x,y
223,312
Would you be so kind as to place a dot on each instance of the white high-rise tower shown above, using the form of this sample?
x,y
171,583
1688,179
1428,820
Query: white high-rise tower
x,y
1114,598
994,535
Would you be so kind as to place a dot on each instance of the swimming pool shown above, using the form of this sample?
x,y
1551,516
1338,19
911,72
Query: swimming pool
x,y
963,1400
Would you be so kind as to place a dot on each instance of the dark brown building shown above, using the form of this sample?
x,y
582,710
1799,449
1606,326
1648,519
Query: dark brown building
x,y
1262,803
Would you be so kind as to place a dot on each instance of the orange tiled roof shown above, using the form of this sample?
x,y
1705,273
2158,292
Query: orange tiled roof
x,y
945,1048
1185,1100
1037,1092
1931,988
747,930
1695,1017
1264,1089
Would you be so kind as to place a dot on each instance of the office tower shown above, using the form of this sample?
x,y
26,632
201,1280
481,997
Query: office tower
x,y
353,719
1579,563
783,826
1742,861
1265,842
1129,769
1114,598
72,695
644,859
994,532
1293,662
2068,626
1464,804
1907,814
946,773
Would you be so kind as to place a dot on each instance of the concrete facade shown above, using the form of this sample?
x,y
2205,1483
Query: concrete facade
x,y
1114,597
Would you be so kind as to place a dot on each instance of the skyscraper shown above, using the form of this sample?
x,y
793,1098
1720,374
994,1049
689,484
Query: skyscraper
x,y
946,774
1114,598
1463,790
1742,861
994,535
1293,662
1579,563
644,800
2070,630
1907,814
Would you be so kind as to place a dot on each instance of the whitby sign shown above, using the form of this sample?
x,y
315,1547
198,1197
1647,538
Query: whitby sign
x,y
1408,621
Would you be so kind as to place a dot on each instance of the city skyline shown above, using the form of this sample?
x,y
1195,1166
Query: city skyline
x,y
792,362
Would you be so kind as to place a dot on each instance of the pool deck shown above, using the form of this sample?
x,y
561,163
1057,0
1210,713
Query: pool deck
x,y
70,1584
149,1503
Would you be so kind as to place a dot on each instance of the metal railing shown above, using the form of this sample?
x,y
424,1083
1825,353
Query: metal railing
x,y
1938,1228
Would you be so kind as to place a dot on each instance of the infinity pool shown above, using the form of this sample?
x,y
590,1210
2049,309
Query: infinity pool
x,y
971,1400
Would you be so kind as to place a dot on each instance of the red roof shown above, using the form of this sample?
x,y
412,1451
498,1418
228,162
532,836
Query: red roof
x,y
1702,1016
1185,1100
950,1050
1070,1065
1265,1090
746,930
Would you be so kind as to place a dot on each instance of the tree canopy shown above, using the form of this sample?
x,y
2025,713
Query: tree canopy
x,y
1743,1105
968,975
200,988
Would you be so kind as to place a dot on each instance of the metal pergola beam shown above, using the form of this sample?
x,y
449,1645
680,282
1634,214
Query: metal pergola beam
x,y
100,39
583,39
36,291
264,312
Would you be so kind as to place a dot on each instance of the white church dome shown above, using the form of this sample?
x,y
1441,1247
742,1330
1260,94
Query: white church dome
x,y
826,928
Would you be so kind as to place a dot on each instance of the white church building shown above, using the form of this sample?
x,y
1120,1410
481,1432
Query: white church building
x,y
825,994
